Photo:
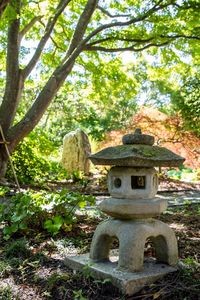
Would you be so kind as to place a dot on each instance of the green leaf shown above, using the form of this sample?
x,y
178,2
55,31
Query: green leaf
x,y
23,226
82,204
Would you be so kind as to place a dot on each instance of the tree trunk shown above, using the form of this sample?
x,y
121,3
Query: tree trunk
x,y
14,82
3,162
16,77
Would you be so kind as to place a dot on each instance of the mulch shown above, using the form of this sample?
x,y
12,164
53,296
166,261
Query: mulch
x,y
44,276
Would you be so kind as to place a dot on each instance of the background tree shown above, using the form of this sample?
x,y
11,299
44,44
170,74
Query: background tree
x,y
185,101
64,33
175,89
97,101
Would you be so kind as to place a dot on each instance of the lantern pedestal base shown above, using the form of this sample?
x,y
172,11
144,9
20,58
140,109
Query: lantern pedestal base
x,y
132,236
128,282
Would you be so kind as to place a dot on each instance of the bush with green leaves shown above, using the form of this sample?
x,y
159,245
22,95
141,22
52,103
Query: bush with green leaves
x,y
31,160
30,212
185,174
4,190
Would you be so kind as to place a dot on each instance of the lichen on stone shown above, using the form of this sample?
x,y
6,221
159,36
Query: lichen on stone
x,y
141,155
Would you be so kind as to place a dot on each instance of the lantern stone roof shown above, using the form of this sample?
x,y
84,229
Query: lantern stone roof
x,y
137,151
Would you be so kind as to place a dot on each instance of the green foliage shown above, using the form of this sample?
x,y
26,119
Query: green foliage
x,y
32,160
30,212
53,226
6,293
4,190
187,102
78,295
5,268
189,270
175,90
87,272
17,249
101,88
99,101
185,174
56,279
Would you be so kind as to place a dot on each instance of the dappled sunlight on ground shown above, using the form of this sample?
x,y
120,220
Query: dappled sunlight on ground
x,y
178,227
43,275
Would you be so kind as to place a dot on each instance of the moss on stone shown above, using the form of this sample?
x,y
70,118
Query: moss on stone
x,y
141,155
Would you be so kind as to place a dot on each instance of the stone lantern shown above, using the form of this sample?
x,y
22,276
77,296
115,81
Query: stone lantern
x,y
133,184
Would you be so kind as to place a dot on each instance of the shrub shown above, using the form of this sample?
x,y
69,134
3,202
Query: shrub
x,y
31,160
185,174
30,212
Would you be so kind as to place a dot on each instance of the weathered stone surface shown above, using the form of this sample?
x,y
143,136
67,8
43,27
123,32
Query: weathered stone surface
x,y
138,138
132,236
132,183
76,149
133,209
128,282
137,156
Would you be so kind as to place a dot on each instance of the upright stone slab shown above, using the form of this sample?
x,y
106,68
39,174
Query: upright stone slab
x,y
76,149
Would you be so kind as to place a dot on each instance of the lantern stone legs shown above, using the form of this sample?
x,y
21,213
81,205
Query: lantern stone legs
x,y
132,236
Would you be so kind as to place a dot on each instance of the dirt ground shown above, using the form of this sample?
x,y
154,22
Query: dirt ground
x,y
34,268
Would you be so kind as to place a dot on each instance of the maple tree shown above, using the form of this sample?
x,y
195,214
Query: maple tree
x,y
66,33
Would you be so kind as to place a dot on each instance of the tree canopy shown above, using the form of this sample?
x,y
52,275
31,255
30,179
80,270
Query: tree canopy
x,y
49,44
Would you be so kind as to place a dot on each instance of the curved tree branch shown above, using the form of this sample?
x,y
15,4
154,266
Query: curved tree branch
x,y
157,7
138,41
82,26
107,13
28,27
179,36
49,27
123,49
109,39
78,43
33,116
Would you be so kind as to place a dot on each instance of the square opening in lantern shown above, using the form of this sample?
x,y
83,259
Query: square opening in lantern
x,y
138,182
